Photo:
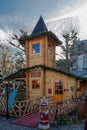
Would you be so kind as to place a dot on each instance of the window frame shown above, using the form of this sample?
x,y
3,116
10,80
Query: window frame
x,y
35,84
58,88
50,49
38,50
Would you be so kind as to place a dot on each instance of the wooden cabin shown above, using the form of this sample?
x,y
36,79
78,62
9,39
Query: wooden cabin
x,y
44,79
41,76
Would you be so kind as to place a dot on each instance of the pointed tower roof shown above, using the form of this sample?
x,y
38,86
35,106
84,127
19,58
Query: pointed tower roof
x,y
40,27
40,30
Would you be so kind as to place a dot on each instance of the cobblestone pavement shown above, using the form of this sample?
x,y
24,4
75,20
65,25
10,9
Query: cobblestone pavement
x,y
7,125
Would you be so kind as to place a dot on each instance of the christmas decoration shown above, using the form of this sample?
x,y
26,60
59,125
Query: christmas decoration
x,y
43,124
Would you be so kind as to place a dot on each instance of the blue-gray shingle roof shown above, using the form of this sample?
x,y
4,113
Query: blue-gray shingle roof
x,y
39,30
40,27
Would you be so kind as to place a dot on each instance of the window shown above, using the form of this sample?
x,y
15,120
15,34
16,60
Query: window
x,y
59,87
36,48
84,62
81,48
35,84
49,49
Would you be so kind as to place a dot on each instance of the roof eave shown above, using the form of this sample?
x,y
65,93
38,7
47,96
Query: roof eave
x,y
28,37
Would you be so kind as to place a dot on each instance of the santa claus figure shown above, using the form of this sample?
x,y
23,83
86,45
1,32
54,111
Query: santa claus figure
x,y
43,123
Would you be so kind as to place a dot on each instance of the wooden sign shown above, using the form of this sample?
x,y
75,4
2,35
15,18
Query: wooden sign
x,y
35,74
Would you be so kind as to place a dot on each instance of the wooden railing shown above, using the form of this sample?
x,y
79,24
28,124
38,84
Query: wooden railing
x,y
58,109
21,108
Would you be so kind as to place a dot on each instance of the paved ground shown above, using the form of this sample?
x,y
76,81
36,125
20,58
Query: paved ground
x,y
7,125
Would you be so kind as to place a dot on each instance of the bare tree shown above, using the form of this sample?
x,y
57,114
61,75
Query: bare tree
x,y
20,60
20,57
6,60
10,62
69,34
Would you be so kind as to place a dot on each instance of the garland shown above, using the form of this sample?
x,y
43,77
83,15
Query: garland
x,y
46,68
26,37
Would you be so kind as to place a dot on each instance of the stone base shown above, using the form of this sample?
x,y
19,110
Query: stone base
x,y
43,129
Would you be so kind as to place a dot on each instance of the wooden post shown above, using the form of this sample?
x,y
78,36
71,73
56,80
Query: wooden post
x,y
20,109
81,108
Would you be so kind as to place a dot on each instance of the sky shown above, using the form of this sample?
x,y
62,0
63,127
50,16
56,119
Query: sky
x,y
16,14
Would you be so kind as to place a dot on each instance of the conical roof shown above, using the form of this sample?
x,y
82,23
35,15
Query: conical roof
x,y
40,27
40,30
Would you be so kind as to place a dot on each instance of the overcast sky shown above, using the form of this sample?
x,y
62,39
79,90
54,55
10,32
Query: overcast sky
x,y
15,14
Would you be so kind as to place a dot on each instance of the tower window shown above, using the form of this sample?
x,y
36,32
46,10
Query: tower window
x,y
36,48
49,49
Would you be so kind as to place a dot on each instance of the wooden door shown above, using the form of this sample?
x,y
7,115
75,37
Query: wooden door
x,y
58,89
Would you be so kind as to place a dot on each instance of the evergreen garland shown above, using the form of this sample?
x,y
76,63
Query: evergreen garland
x,y
26,37
47,68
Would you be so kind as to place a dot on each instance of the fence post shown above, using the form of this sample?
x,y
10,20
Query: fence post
x,y
20,109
